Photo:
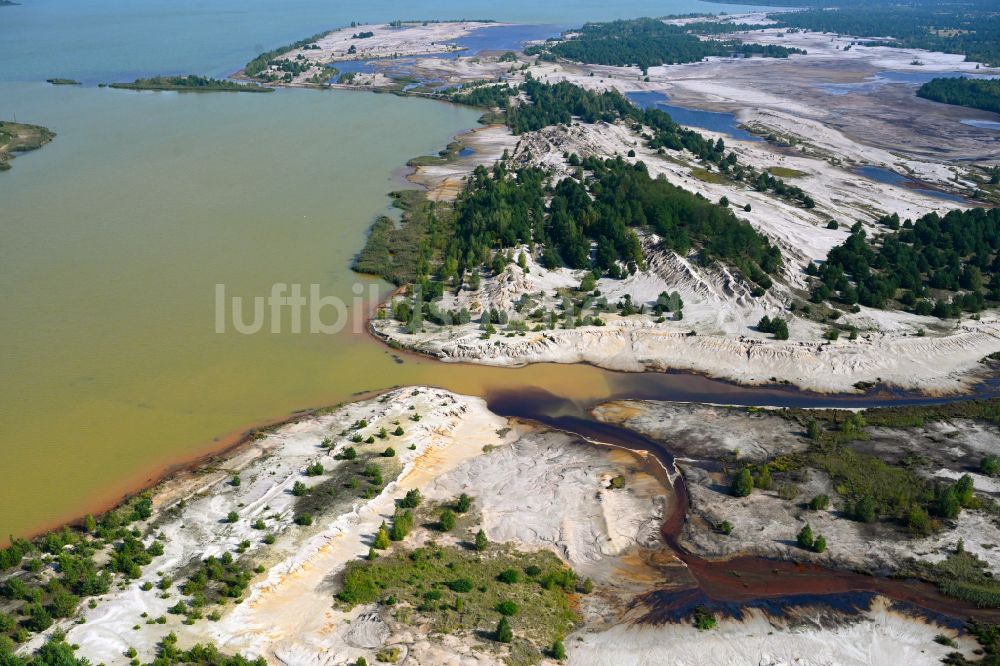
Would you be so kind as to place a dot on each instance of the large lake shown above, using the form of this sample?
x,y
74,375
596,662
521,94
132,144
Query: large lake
x,y
113,237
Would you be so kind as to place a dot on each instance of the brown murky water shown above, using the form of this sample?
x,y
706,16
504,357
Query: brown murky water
x,y
114,239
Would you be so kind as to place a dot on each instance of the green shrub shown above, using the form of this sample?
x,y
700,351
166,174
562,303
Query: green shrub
x,y
463,504
481,543
411,500
703,619
460,585
742,483
819,503
447,522
509,576
507,608
805,538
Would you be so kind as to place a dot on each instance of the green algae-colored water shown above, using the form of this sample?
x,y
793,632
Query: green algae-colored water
x,y
114,369
114,237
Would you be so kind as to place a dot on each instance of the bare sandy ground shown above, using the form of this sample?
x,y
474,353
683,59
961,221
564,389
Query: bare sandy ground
x,y
880,636
533,489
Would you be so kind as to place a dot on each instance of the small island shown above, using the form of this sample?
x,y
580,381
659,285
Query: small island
x,y
63,82
7,3
190,83
20,138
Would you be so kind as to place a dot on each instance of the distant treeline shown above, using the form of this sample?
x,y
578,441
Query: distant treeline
x,y
975,93
190,83
968,27
940,266
646,43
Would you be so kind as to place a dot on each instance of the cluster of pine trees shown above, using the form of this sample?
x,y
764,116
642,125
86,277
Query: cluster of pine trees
x,y
936,265
646,43
962,91
591,221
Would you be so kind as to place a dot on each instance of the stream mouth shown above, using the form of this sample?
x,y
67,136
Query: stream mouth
x,y
731,586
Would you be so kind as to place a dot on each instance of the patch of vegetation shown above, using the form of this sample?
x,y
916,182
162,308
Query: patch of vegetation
x,y
45,580
988,636
785,172
871,488
503,209
961,575
215,578
190,83
21,138
449,154
364,476
63,82
940,266
401,253
962,91
455,589
703,619
258,65
777,327
646,43
707,176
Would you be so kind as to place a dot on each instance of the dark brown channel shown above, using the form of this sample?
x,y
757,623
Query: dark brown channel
x,y
731,586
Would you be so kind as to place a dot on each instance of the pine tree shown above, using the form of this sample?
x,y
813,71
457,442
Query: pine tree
x,y
504,633
481,541
382,538
743,483
764,481
805,537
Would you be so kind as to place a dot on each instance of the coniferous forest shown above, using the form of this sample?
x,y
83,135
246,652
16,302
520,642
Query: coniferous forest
x,y
939,266
606,205
646,43
968,27
962,91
